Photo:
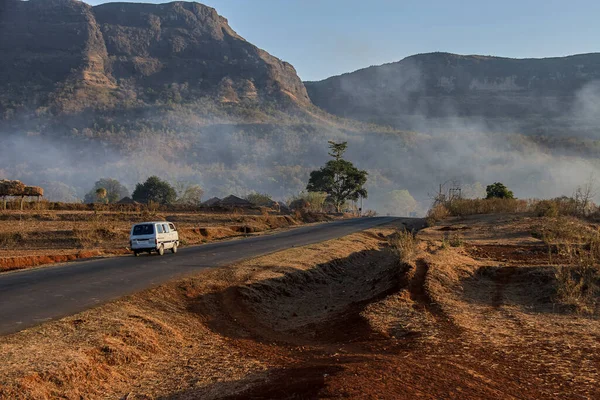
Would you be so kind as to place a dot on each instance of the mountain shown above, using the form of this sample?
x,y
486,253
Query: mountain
x,y
130,90
436,86
64,56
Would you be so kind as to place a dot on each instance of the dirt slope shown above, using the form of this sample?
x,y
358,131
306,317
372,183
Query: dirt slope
x,y
354,324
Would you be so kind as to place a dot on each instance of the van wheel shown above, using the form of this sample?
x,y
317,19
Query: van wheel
x,y
161,250
174,248
136,253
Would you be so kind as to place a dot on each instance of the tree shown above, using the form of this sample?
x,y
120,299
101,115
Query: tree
x,y
339,178
399,203
101,194
115,191
498,191
60,192
155,190
192,195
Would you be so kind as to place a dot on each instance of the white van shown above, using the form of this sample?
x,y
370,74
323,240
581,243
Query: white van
x,y
147,237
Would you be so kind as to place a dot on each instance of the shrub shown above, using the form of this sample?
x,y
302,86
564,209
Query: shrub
x,y
404,244
546,208
464,207
437,213
260,199
578,286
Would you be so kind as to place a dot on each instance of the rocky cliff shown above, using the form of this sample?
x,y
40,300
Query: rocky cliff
x,y
440,85
62,56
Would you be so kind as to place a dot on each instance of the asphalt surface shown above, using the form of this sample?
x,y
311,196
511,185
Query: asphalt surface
x,y
31,297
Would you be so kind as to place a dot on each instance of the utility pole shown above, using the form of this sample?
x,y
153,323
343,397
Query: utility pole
x,y
361,207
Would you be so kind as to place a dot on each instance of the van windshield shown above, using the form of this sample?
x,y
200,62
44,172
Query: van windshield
x,y
146,229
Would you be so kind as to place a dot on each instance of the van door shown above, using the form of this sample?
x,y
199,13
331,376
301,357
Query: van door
x,y
168,236
160,236
174,233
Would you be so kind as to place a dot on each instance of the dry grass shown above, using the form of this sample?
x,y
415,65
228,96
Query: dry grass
x,y
173,338
578,279
487,328
464,207
41,236
512,315
404,245
437,213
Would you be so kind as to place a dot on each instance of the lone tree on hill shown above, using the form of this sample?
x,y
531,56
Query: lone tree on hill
x,y
339,178
154,190
498,191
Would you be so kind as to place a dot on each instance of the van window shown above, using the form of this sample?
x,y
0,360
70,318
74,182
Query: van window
x,y
172,227
146,229
159,228
165,228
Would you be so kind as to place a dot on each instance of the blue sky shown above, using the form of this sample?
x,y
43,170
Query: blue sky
x,y
330,37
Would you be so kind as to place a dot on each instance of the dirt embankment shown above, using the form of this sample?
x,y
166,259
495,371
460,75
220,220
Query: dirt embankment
x,y
354,324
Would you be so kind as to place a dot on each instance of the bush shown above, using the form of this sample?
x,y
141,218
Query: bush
x,y
464,207
404,244
546,208
437,213
578,286
260,199
312,201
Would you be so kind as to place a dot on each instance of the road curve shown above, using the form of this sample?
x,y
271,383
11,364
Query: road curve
x,y
31,297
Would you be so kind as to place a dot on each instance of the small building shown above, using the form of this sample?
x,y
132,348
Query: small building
x,y
127,200
234,201
213,202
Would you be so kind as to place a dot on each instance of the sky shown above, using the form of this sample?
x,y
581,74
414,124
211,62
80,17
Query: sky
x,y
322,38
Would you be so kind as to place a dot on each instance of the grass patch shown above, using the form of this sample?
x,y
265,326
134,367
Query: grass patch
x,y
578,281
404,245
11,239
578,286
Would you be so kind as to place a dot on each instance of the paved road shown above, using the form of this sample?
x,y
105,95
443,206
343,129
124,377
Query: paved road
x,y
30,297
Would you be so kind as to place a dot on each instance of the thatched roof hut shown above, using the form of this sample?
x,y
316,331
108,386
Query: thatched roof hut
x,y
11,188
33,191
127,200
234,201
215,201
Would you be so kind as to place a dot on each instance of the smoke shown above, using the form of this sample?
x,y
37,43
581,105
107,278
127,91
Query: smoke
x,y
276,158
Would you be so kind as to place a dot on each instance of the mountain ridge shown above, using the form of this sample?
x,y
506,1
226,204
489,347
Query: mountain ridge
x,y
443,85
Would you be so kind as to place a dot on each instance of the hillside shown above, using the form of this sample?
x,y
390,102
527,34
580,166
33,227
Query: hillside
x,y
521,94
63,56
129,90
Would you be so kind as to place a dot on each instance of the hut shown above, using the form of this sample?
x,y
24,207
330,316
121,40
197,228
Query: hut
x,y
215,201
234,201
11,188
33,191
127,200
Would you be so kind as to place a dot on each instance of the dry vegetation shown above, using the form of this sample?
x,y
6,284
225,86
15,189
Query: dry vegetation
x,y
41,236
378,314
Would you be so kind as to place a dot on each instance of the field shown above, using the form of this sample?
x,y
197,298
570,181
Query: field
x,y
37,237
470,309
